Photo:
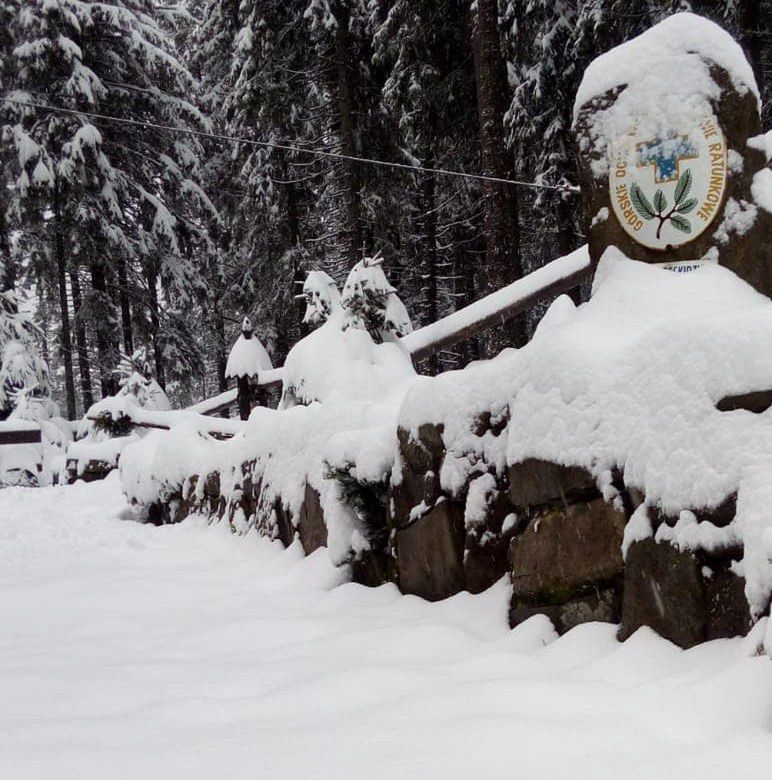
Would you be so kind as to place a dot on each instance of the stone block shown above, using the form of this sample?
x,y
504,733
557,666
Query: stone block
x,y
566,551
757,402
534,482
430,553
486,547
663,590
662,202
420,475
373,568
600,605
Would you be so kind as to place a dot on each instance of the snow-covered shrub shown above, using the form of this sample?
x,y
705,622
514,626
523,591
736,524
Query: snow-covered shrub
x,y
334,364
352,355
138,388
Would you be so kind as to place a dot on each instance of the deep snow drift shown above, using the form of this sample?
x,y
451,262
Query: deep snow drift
x,y
129,651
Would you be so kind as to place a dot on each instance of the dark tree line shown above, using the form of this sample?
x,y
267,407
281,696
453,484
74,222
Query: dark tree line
x,y
124,236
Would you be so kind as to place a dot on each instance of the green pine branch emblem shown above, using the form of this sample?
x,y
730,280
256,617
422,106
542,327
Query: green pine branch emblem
x,y
658,209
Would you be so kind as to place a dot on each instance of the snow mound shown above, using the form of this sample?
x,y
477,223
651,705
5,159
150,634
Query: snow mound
x,y
333,365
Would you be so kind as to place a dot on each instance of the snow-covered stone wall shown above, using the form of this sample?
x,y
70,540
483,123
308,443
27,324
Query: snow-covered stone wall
x,y
616,468
593,467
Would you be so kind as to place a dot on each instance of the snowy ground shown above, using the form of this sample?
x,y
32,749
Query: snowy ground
x,y
129,651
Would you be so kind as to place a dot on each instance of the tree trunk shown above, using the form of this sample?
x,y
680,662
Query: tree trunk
x,y
752,21
503,263
123,297
221,356
84,364
348,138
244,396
7,269
427,226
66,337
105,351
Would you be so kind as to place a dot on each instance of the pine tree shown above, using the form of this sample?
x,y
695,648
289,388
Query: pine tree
x,y
322,298
22,371
370,303
429,93
125,204
540,36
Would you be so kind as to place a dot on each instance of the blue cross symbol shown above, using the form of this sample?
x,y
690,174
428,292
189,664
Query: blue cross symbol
x,y
665,154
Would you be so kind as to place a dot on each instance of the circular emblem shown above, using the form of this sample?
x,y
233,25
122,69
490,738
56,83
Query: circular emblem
x,y
666,191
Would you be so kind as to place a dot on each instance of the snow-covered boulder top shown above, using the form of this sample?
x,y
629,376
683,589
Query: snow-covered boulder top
x,y
667,62
629,381
248,357
672,162
665,78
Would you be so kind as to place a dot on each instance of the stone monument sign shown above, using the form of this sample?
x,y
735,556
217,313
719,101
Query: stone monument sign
x,y
671,157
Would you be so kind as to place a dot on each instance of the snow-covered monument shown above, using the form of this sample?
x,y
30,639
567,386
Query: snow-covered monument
x,y
619,466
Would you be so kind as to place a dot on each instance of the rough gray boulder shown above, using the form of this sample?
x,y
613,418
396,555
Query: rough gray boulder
x,y
718,218
599,605
567,564
419,484
680,596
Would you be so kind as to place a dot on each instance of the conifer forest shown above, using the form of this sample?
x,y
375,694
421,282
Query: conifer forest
x,y
169,167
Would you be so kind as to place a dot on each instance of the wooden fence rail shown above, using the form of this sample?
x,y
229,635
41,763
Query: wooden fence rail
x,y
22,432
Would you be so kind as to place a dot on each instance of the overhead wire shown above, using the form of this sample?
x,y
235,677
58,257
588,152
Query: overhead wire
x,y
290,147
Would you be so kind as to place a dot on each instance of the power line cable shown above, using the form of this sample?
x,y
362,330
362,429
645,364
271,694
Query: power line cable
x,y
564,188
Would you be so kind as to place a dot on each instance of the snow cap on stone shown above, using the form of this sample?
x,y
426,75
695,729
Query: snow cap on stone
x,y
664,78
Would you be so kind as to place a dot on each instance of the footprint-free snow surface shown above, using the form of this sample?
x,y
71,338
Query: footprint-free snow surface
x,y
128,651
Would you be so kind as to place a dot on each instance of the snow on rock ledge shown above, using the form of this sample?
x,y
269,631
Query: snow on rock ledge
x,y
622,388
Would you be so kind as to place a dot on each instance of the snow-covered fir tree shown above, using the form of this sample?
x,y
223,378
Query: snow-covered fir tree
x,y
126,235
370,303
125,205
322,298
23,373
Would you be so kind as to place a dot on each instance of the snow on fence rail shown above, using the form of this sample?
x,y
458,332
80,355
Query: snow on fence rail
x,y
221,427
557,277
19,432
